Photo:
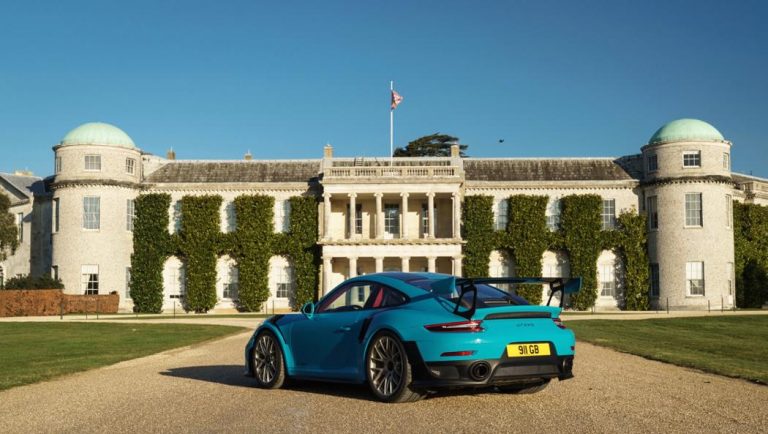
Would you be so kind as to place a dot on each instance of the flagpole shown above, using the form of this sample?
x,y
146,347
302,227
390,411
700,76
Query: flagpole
x,y
391,125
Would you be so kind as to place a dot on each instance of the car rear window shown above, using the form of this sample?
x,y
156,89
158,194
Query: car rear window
x,y
487,295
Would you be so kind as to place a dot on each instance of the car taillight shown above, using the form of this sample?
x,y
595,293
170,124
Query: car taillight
x,y
461,326
558,323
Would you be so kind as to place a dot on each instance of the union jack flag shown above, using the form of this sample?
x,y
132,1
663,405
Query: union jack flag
x,y
396,99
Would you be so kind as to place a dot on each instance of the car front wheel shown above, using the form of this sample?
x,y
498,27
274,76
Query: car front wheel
x,y
268,366
388,370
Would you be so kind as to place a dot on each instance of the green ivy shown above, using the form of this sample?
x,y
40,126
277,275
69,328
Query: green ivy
x,y
581,225
198,245
253,248
152,245
302,249
750,226
527,237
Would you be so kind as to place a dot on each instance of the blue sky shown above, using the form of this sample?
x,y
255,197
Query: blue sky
x,y
215,79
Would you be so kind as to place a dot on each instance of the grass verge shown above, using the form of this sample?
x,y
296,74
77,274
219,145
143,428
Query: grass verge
x,y
32,352
731,346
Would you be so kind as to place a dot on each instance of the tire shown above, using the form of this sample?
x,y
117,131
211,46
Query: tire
x,y
524,389
388,370
268,362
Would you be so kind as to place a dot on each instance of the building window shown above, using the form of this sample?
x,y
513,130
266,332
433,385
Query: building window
x,y
692,159
501,216
127,282
392,220
726,161
553,214
284,282
177,217
91,212
655,286
729,276
693,209
20,226
56,211
89,280
653,213
607,281
425,218
231,285
609,214
93,163
230,217
130,166
55,272
130,214
653,163
282,215
728,211
57,164
694,277
358,220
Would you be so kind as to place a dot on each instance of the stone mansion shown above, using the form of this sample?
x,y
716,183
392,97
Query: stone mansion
x,y
377,214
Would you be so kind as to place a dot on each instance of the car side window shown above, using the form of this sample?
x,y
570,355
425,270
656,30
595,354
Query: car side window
x,y
354,296
392,298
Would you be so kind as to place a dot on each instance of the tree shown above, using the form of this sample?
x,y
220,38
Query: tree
x,y
9,233
434,145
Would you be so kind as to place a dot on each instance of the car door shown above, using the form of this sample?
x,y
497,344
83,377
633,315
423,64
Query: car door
x,y
327,345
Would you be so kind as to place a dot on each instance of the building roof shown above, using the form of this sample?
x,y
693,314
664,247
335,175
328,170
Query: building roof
x,y
25,184
686,130
555,169
236,171
98,133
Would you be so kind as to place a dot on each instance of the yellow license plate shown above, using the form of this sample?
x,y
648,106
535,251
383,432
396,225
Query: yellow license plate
x,y
528,350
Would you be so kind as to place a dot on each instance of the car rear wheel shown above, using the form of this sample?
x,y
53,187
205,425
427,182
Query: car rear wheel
x,y
268,366
388,370
524,389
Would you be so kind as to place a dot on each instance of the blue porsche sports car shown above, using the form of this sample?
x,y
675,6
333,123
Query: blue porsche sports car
x,y
405,334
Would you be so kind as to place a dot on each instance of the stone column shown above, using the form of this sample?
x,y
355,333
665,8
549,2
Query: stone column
x,y
379,217
456,216
379,264
457,265
403,214
327,216
431,214
352,214
353,266
405,264
431,264
327,270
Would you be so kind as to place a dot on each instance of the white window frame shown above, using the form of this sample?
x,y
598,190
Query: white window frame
x,y
392,220
554,209
652,210
130,214
130,166
501,215
231,284
655,166
358,220
20,226
285,285
694,272
607,281
92,163
282,211
89,279
728,211
57,165
692,212
693,157
726,161
608,214
56,203
91,218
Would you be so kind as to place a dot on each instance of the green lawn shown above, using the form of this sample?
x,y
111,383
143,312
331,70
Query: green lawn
x,y
735,346
143,316
32,352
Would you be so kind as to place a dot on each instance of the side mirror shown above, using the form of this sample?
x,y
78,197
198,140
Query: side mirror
x,y
308,310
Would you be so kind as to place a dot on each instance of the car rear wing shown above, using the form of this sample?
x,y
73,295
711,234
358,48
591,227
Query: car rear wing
x,y
466,285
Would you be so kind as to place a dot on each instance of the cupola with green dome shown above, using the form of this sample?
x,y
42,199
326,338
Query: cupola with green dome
x,y
686,130
98,133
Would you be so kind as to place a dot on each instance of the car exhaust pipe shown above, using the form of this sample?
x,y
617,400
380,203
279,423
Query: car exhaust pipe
x,y
479,371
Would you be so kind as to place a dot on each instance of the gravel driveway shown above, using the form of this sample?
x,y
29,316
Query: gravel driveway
x,y
202,389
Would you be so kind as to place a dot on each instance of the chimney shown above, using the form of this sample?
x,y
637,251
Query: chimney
x,y
455,151
171,154
248,156
328,151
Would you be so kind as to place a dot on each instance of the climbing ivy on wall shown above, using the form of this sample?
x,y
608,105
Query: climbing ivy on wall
x,y
152,245
750,226
200,242
527,237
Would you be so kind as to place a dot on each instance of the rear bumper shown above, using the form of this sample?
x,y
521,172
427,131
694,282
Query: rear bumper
x,y
486,372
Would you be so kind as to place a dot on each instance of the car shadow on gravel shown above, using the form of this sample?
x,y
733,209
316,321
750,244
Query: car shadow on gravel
x,y
233,375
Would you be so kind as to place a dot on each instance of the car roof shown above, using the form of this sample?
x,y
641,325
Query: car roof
x,y
400,280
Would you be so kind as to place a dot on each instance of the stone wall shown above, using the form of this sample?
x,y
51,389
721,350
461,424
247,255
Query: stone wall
x,y
48,302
